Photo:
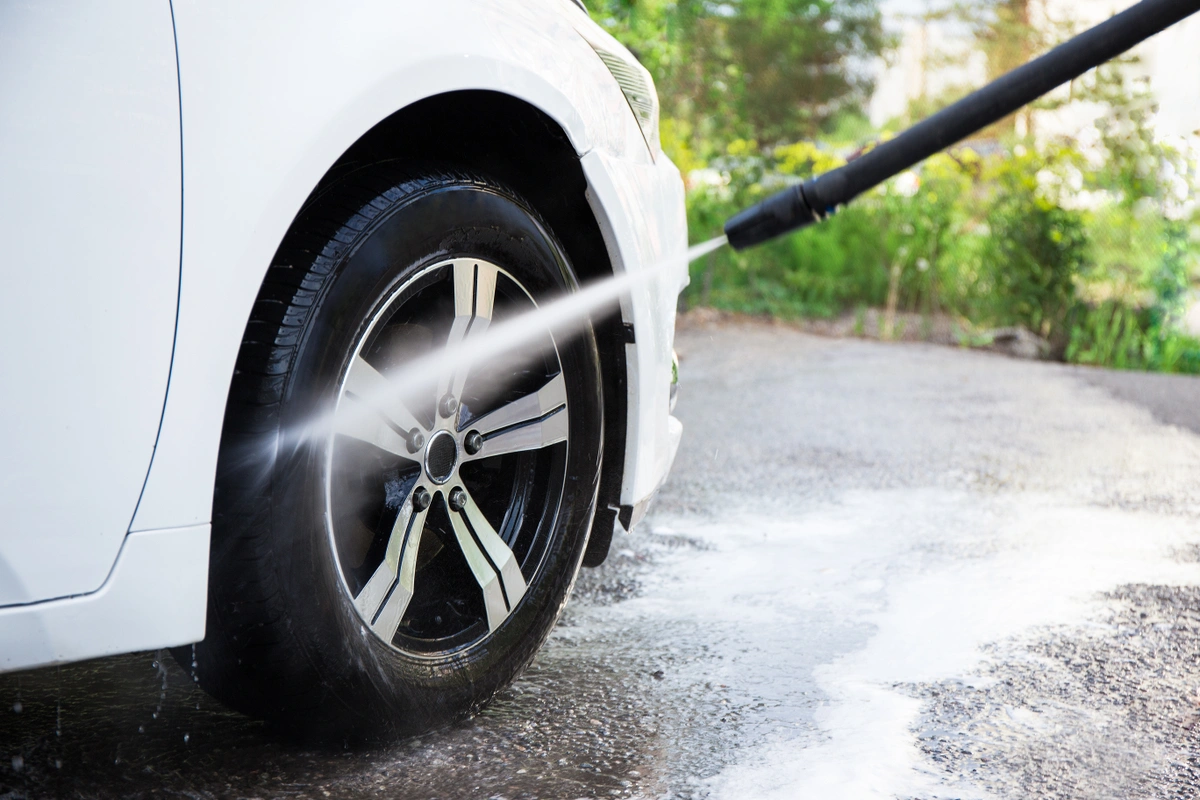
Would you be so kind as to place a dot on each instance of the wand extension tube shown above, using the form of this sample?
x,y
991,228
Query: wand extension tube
x,y
817,198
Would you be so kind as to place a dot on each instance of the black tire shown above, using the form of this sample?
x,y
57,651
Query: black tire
x,y
284,640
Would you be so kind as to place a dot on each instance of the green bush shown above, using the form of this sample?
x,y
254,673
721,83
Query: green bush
x,y
1115,335
988,240
1120,334
816,273
1034,249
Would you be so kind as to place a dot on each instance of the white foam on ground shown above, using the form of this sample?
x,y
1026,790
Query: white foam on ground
x,y
931,576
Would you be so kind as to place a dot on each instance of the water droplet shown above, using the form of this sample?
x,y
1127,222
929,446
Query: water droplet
x,y
185,738
141,728
58,763
18,763
17,707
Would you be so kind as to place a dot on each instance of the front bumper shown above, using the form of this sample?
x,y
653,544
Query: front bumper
x,y
640,208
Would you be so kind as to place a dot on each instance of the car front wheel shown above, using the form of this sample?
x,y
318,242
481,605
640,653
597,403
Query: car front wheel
x,y
396,532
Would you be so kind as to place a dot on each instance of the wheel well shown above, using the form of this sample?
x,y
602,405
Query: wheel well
x,y
519,145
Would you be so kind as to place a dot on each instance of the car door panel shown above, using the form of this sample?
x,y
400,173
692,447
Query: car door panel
x,y
90,204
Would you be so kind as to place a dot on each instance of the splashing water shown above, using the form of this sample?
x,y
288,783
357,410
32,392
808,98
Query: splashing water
x,y
562,318
160,667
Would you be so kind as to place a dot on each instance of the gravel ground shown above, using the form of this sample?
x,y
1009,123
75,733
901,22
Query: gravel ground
x,y
878,570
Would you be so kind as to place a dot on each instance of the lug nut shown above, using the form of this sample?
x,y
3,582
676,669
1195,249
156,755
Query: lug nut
x,y
473,442
458,499
421,499
448,405
416,440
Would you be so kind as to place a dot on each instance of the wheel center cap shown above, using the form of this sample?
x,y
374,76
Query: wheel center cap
x,y
441,454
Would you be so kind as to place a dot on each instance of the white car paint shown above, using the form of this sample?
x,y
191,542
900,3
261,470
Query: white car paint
x,y
90,218
271,95
149,601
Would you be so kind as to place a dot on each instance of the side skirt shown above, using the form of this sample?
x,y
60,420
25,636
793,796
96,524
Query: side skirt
x,y
154,597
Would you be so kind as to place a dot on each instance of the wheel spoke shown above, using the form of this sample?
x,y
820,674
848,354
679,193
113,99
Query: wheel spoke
x,y
491,561
474,297
371,410
498,551
529,423
385,598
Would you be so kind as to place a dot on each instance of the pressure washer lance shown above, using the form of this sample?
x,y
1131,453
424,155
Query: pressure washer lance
x,y
815,199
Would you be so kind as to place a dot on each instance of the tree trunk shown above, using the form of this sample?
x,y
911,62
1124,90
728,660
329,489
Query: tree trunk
x,y
893,298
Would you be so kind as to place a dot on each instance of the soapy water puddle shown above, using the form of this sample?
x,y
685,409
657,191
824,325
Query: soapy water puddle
x,y
1107,708
932,582
829,653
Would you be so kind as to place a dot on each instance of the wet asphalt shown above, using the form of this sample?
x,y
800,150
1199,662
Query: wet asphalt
x,y
877,570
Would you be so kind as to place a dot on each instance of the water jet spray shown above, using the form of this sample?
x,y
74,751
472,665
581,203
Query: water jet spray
x,y
817,198
524,334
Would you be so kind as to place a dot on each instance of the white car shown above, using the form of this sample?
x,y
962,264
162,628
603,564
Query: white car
x,y
223,220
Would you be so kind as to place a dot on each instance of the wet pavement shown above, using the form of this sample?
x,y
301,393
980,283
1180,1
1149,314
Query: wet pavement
x,y
877,571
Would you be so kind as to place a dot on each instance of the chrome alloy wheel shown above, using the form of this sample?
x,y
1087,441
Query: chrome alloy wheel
x,y
439,507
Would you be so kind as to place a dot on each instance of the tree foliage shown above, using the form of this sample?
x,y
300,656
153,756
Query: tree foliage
x,y
768,70
1091,245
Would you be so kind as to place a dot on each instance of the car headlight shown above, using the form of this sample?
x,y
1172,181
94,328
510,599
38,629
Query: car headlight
x,y
636,84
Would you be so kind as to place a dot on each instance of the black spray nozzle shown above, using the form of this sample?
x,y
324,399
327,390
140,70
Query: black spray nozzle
x,y
778,214
815,199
